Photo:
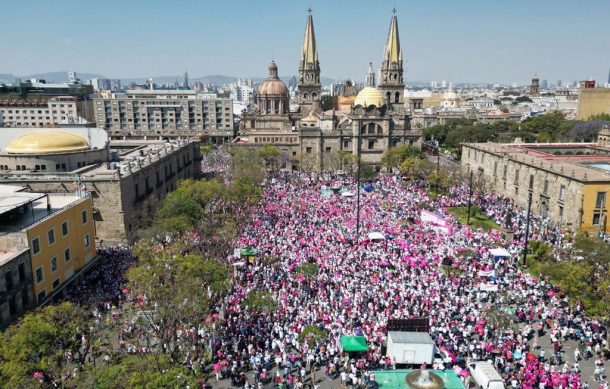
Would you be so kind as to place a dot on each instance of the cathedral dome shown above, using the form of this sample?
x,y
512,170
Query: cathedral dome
x,y
47,142
273,85
369,96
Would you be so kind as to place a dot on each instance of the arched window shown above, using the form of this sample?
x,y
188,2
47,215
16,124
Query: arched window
x,y
388,96
397,97
305,96
313,96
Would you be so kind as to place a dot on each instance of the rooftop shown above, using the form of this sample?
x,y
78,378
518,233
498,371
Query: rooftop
x,y
20,210
7,256
584,162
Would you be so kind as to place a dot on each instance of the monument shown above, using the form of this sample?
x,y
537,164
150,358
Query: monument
x,y
424,379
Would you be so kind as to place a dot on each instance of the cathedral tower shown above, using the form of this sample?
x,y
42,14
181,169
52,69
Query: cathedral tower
x,y
391,83
309,71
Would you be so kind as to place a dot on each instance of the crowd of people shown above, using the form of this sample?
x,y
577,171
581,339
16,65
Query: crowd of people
x,y
416,271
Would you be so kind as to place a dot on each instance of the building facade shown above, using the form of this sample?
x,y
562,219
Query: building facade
x,y
57,230
592,101
53,112
368,123
160,114
16,290
568,183
125,179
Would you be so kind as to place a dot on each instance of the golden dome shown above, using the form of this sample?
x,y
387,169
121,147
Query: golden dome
x,y
273,85
369,96
47,142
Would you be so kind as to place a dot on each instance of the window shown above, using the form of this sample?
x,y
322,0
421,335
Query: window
x,y
371,144
51,236
345,144
596,218
560,213
562,192
8,278
600,201
505,172
41,296
328,149
308,150
56,284
86,240
39,275
546,187
516,177
84,216
64,228
36,245
21,273
531,181
54,264
495,168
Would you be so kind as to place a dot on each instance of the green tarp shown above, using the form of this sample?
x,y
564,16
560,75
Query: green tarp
x,y
353,343
248,252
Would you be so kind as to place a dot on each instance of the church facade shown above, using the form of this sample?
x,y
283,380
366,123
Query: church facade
x,y
359,128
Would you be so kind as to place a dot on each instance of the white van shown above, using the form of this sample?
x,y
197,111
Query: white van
x,y
486,376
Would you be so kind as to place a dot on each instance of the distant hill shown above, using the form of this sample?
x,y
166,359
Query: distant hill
x,y
217,79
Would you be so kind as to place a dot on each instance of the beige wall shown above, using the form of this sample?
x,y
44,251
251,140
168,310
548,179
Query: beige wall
x,y
593,101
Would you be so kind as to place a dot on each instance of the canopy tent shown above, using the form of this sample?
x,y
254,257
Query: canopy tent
x,y
376,235
499,252
346,193
353,343
368,188
249,251
326,192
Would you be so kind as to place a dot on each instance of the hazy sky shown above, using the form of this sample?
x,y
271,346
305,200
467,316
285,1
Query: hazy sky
x,y
455,40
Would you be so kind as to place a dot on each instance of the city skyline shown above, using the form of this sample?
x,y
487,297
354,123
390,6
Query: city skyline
x,y
441,40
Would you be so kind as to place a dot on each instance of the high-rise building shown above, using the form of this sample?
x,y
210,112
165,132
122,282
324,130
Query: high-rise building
x,y
608,76
116,85
544,84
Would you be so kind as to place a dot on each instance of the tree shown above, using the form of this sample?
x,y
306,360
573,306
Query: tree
x,y
586,131
308,270
183,288
312,334
394,156
178,213
246,163
523,99
38,343
260,301
271,155
551,126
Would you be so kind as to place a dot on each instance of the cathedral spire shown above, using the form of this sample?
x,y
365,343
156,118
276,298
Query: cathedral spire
x,y
391,81
309,70
392,52
309,53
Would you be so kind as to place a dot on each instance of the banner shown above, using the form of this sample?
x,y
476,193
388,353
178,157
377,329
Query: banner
x,y
436,221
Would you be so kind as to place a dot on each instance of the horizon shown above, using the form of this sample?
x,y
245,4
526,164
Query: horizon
x,y
555,40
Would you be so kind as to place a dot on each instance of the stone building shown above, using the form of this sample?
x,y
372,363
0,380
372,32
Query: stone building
x,y
364,126
161,114
568,183
16,293
126,186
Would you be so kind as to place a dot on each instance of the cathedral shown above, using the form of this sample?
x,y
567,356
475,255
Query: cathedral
x,y
361,125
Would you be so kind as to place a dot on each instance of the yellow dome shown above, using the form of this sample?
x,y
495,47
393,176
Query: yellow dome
x,y
369,96
47,142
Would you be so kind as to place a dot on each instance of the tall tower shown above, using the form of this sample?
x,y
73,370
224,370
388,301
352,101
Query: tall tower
x,y
535,86
391,83
309,71
370,76
186,79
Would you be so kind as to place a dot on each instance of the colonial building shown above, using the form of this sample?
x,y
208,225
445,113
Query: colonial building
x,y
569,183
126,179
363,126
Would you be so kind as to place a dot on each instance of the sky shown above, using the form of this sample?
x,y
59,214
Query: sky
x,y
455,40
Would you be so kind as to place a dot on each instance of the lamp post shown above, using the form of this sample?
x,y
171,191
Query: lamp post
x,y
438,166
527,228
469,199
358,182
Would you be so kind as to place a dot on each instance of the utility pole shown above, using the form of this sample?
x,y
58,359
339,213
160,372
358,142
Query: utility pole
x,y
358,182
438,167
469,199
527,228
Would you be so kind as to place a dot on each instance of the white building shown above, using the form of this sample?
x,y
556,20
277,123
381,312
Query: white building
x,y
56,111
100,84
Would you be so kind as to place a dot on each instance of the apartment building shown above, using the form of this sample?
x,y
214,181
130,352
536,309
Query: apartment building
x,y
160,114
50,113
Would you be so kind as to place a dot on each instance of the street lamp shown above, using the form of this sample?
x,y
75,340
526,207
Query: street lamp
x,y
359,147
527,228
469,199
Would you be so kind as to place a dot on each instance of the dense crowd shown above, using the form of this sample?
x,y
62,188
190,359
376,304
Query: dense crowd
x,y
417,271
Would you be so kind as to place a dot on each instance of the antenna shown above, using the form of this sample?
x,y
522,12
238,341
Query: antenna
x,y
394,10
309,10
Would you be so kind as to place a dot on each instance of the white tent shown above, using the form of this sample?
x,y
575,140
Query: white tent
x,y
499,252
376,235
347,194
